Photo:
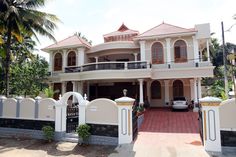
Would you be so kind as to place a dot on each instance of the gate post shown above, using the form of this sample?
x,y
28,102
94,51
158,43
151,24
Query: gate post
x,y
125,131
60,119
82,110
211,123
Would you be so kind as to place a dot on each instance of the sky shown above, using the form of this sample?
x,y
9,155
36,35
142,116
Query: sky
x,y
94,18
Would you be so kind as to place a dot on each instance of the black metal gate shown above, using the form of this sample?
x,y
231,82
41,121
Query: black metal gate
x,y
72,119
200,123
135,124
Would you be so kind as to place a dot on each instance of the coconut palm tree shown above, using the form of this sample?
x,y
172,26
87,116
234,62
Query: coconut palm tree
x,y
19,17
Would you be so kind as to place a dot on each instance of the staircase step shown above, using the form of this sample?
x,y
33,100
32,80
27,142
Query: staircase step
x,y
69,139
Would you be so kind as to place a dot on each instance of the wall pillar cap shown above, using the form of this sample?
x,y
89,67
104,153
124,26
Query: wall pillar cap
x,y
210,99
38,98
19,97
3,97
125,100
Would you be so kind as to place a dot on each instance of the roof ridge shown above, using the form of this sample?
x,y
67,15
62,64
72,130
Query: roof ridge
x,y
83,41
59,41
163,23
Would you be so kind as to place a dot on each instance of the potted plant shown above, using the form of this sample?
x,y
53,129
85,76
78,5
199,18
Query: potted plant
x,y
48,133
83,133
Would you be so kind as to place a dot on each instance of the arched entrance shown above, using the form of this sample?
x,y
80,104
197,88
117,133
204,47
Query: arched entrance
x,y
178,88
72,112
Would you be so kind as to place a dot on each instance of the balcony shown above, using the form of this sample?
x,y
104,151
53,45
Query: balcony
x,y
109,66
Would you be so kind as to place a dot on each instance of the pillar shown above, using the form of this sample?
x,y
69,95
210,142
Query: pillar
x,y
208,51
140,91
81,55
135,56
51,63
80,87
36,109
74,90
125,125
167,92
195,49
88,91
149,91
60,119
63,88
211,123
82,112
195,88
96,60
64,60
168,56
192,90
19,99
199,88
142,50
2,99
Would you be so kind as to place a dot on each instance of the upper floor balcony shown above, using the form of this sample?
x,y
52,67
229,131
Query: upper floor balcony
x,y
108,66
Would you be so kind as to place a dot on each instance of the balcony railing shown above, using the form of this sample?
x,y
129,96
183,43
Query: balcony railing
x,y
108,66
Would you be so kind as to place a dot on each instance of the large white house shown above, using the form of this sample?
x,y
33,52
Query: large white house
x,y
155,66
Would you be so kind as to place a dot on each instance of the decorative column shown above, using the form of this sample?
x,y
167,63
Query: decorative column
x,y
96,60
211,123
168,56
195,49
167,92
195,88
199,88
50,66
63,88
2,99
81,56
149,91
140,91
74,90
64,62
208,51
192,90
135,56
125,126
88,91
142,50
80,87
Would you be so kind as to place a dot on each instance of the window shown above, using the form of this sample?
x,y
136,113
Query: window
x,y
178,88
157,53
58,62
156,90
180,49
71,59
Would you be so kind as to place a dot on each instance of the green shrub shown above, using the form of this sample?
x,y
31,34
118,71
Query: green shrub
x,y
48,133
49,92
83,132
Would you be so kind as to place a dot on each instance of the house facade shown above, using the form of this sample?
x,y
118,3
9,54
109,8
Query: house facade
x,y
162,63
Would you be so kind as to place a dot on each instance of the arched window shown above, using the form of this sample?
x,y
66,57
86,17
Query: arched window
x,y
57,62
156,90
71,59
178,88
157,53
180,51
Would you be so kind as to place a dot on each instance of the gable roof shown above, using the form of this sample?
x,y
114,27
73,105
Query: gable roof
x,y
165,29
72,41
123,30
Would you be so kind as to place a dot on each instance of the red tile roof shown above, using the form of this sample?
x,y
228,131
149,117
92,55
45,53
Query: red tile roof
x,y
123,30
165,29
74,40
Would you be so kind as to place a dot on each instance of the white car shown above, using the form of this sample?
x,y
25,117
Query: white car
x,y
180,103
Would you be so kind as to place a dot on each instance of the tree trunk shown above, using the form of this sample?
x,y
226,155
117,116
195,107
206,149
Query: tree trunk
x,y
8,55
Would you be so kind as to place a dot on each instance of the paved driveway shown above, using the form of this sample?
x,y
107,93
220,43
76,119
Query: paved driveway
x,y
169,134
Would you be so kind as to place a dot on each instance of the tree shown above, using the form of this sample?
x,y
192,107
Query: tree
x,y
29,76
21,16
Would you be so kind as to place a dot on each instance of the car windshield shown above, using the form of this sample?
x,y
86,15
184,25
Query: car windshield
x,y
179,98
